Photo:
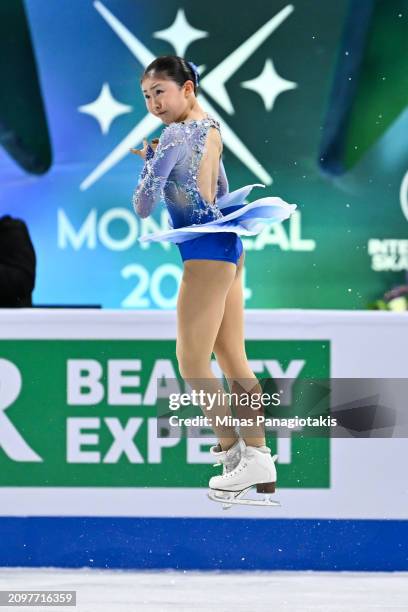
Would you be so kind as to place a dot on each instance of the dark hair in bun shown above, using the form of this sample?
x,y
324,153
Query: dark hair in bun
x,y
175,68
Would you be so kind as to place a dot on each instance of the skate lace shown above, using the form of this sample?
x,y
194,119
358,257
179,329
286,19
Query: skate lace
x,y
241,466
226,464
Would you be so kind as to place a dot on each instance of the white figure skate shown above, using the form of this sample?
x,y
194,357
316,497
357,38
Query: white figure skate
x,y
255,468
229,459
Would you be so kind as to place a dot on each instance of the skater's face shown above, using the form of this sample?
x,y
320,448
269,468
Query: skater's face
x,y
166,99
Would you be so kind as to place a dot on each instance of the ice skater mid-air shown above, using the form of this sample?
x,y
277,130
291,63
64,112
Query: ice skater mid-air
x,y
184,169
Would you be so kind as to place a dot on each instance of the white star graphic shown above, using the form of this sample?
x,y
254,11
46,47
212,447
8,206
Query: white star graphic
x,y
105,108
212,84
180,34
269,84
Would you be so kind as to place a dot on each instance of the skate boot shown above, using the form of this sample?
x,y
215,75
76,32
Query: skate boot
x,y
230,458
255,469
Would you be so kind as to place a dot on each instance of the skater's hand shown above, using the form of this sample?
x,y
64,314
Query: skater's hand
x,y
142,152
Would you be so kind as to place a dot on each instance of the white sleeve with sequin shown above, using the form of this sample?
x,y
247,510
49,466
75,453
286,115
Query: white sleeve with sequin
x,y
157,167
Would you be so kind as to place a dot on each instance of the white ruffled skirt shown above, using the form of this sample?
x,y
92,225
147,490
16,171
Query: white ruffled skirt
x,y
246,220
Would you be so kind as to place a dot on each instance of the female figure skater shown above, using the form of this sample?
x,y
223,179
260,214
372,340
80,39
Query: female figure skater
x,y
184,168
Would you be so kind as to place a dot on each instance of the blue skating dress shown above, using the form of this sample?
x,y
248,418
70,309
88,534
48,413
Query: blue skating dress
x,y
201,229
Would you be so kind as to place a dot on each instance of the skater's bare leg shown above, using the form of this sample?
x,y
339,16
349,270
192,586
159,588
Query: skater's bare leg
x,y
200,308
229,349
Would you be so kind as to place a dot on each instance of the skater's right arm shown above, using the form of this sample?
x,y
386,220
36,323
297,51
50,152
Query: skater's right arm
x,y
157,167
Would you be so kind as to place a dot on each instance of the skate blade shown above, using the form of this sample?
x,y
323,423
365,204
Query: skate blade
x,y
229,498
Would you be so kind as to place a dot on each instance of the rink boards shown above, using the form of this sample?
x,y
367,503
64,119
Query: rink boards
x,y
84,480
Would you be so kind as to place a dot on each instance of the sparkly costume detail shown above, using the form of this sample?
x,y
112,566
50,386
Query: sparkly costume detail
x,y
170,174
201,229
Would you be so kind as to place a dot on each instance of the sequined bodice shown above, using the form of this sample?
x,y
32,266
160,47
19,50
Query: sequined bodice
x,y
170,175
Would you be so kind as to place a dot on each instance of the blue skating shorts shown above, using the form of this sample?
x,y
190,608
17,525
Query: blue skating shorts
x,y
225,246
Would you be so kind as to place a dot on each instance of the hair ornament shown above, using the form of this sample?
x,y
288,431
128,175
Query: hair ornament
x,y
195,70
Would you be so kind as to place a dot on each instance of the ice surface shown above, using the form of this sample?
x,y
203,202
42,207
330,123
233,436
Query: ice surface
x,y
178,591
